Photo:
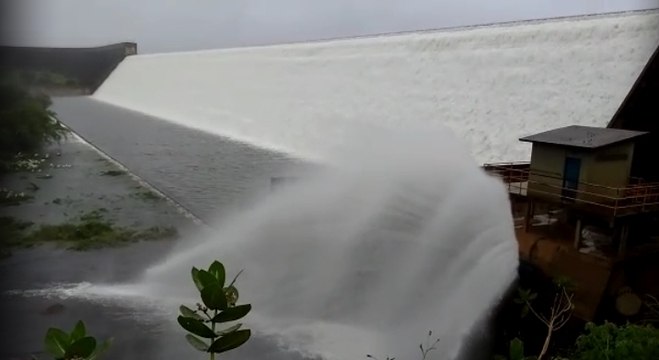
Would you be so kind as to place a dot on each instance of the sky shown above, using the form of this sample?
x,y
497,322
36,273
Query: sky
x,y
182,25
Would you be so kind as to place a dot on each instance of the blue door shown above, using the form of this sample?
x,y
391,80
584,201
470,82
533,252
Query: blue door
x,y
571,178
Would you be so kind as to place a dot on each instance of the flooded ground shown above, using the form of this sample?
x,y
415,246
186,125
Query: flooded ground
x,y
207,175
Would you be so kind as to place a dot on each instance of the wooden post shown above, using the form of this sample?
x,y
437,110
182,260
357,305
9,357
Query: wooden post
x,y
577,235
530,209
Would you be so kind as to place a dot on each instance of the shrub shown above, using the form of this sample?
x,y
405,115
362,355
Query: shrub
x,y
219,306
76,345
27,123
612,342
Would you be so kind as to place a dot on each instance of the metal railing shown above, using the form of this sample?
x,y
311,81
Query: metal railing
x,y
639,196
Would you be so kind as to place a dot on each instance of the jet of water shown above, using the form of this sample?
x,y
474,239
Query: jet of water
x,y
400,234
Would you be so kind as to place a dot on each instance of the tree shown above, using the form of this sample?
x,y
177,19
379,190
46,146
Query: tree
x,y
27,123
559,312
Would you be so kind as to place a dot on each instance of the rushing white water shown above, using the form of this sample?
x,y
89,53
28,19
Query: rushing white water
x,y
399,237
491,85
402,234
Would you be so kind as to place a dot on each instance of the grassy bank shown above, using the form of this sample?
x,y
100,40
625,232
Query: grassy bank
x,y
89,231
72,197
55,189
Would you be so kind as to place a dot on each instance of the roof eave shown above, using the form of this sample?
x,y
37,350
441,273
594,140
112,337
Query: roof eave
x,y
587,148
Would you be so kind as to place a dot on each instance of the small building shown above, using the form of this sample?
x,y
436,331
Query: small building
x,y
589,167
585,215
586,206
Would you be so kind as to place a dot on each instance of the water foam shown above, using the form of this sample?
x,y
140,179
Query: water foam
x,y
491,85
403,234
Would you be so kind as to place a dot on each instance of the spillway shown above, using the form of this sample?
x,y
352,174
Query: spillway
x,y
405,234
490,85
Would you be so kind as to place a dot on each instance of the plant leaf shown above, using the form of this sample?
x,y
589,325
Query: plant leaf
x,y
230,329
516,349
195,278
105,345
189,313
78,331
196,342
232,314
213,297
57,342
196,327
207,279
229,341
217,270
525,311
81,348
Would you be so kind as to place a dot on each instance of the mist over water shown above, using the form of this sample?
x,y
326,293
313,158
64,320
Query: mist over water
x,y
401,234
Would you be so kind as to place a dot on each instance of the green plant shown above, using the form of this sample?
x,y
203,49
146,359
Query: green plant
x,y
219,306
113,173
75,345
559,313
515,351
524,298
146,196
611,342
27,123
90,231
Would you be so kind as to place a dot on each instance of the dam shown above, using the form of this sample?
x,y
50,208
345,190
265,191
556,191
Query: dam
x,y
364,239
489,85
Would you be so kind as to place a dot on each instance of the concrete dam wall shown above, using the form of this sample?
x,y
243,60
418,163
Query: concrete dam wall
x,y
490,85
89,67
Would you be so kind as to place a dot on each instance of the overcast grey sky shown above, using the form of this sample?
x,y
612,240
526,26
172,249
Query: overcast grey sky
x,y
175,25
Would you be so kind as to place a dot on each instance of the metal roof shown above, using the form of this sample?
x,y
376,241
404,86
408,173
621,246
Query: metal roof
x,y
586,137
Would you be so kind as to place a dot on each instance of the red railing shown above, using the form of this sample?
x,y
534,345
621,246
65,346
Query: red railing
x,y
639,196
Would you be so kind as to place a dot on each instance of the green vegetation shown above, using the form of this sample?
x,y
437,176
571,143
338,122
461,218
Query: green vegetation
x,y
35,78
10,228
146,195
10,197
75,345
219,306
611,342
603,342
90,231
113,173
542,314
515,351
559,313
27,124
